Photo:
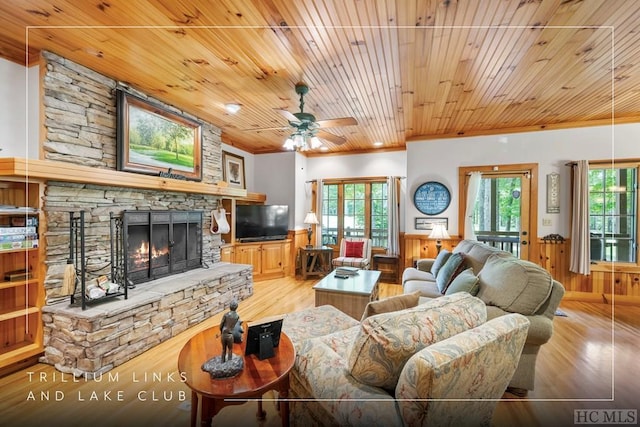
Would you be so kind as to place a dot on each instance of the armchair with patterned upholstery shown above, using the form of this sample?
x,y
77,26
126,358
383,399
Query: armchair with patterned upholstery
x,y
354,252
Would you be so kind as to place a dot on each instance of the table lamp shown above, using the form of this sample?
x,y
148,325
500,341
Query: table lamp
x,y
310,220
438,233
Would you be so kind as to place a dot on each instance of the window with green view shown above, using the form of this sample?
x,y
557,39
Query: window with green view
x,y
613,211
355,209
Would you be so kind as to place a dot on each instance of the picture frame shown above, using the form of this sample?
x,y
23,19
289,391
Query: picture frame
x,y
152,140
233,170
426,223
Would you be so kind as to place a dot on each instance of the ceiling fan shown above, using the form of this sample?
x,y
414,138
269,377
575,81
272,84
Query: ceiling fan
x,y
305,126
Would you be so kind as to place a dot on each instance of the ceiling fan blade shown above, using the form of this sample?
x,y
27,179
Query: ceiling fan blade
x,y
288,115
338,140
334,123
261,129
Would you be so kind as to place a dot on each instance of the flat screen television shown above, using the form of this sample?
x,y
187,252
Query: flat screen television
x,y
263,337
261,222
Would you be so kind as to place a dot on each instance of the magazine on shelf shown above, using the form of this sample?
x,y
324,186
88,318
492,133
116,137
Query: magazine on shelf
x,y
346,271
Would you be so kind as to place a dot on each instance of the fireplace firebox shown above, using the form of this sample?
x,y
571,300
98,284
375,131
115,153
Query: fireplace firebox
x,y
161,243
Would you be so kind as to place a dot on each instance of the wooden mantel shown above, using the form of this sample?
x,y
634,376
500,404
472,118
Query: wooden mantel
x,y
48,170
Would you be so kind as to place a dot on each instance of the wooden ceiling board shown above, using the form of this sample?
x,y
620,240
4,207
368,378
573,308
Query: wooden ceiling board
x,y
405,69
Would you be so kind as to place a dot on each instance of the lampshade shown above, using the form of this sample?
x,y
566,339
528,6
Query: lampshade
x,y
302,140
311,218
439,231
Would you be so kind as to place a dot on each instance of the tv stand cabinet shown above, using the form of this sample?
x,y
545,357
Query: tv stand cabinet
x,y
270,259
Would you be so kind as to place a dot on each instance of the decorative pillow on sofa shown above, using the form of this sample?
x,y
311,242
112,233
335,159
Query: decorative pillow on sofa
x,y
440,260
449,271
353,249
394,303
514,285
464,282
385,342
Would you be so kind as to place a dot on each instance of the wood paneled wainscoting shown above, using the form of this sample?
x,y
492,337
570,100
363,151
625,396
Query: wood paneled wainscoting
x,y
608,282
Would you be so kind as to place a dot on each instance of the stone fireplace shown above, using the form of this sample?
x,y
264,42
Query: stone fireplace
x,y
159,244
181,281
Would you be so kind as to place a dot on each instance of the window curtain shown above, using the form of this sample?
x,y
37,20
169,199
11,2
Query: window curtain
x,y
580,259
319,211
472,194
393,213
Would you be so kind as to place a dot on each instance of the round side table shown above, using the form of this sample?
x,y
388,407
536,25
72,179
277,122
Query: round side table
x,y
257,377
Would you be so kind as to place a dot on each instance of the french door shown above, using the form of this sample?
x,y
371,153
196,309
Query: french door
x,y
504,207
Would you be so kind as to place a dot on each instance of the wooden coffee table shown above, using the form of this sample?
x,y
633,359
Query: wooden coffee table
x,y
350,295
256,378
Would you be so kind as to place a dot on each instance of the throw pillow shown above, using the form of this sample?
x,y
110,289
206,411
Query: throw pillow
x,y
441,259
395,303
353,249
466,281
385,342
514,285
449,271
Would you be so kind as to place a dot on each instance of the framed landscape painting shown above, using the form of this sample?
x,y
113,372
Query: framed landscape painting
x,y
155,141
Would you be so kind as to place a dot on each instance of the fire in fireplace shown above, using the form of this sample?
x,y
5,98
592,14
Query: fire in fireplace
x,y
161,243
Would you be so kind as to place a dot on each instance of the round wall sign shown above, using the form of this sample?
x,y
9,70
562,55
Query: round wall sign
x,y
432,198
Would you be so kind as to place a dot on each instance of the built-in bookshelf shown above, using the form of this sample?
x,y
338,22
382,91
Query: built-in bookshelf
x,y
21,288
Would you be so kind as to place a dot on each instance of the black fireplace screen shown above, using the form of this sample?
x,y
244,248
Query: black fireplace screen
x,y
161,243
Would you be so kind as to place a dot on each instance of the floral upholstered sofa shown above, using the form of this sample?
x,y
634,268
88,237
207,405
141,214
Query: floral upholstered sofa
x,y
504,283
439,363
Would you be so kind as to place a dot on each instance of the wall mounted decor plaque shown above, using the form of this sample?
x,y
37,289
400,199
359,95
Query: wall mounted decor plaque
x,y
432,198
553,193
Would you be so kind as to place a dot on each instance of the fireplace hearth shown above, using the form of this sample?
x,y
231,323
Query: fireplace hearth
x,y
161,243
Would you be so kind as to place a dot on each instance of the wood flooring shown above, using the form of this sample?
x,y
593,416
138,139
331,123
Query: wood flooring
x,y
591,362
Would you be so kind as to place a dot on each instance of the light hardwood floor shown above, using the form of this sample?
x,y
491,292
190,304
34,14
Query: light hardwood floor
x,y
590,362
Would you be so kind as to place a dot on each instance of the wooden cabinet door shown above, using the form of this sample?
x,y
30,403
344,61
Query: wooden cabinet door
x,y
249,254
226,254
286,258
272,259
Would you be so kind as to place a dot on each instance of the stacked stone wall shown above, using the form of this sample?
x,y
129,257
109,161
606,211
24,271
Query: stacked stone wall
x,y
93,341
80,124
80,127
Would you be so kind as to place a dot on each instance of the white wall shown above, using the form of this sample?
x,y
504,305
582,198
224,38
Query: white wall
x,y
285,177
19,110
274,175
438,160
386,163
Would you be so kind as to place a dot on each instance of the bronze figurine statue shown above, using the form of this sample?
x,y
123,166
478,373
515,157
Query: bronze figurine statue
x,y
227,326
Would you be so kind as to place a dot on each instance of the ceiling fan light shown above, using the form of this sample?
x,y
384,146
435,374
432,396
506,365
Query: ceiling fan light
x,y
289,144
315,142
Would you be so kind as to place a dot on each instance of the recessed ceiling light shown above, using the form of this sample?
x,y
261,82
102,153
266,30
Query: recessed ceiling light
x,y
232,108
377,144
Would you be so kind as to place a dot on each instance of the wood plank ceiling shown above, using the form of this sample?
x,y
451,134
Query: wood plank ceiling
x,y
405,69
